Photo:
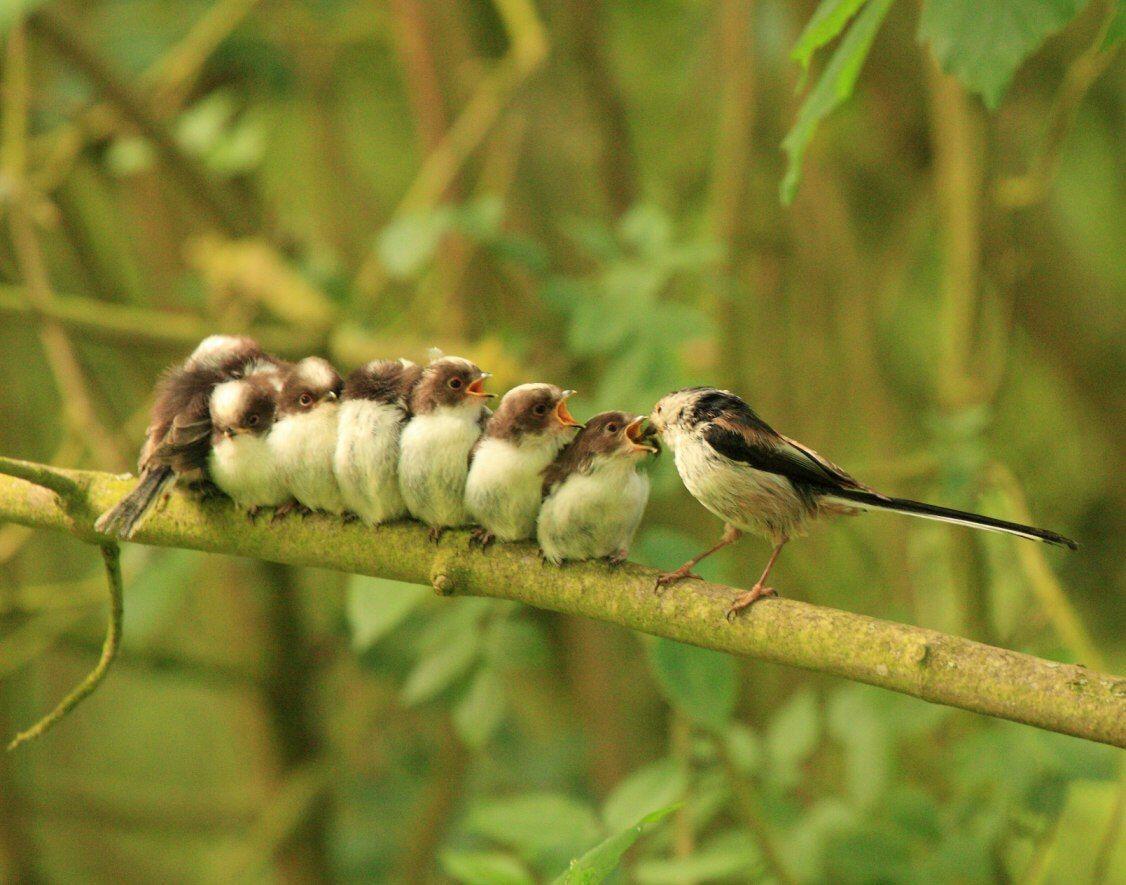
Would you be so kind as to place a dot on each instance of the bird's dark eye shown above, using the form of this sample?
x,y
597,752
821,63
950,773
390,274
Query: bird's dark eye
x,y
611,428
306,399
541,409
455,383
251,420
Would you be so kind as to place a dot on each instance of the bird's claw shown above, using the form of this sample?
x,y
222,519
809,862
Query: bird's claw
x,y
667,578
481,537
744,600
435,533
617,558
287,508
349,516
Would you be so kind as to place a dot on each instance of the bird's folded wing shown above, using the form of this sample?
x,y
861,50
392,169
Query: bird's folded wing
x,y
764,449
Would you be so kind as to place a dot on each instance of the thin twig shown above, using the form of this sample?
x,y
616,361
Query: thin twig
x,y
69,376
528,47
67,39
111,556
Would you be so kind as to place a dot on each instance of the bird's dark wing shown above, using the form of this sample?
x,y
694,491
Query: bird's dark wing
x,y
759,446
188,439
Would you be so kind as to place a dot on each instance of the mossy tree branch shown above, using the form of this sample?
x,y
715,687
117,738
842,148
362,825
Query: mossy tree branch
x,y
936,667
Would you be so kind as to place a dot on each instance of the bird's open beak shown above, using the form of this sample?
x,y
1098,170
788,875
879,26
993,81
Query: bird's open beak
x,y
561,412
477,387
640,436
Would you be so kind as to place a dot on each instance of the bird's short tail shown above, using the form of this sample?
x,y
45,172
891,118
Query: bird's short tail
x,y
872,501
122,519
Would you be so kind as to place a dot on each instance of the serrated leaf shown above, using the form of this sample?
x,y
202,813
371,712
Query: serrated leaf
x,y
535,824
833,87
983,44
376,606
648,789
603,858
826,23
484,868
441,667
478,714
699,682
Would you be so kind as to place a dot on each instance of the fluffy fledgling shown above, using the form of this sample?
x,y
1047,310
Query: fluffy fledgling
x,y
178,438
504,489
595,492
757,480
373,410
448,414
241,462
303,439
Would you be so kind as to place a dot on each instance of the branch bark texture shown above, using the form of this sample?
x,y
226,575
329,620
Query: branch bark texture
x,y
936,667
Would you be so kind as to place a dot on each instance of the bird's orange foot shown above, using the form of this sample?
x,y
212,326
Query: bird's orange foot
x,y
672,577
743,600
435,533
481,537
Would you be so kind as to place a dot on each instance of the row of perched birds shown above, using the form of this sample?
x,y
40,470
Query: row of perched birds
x,y
396,439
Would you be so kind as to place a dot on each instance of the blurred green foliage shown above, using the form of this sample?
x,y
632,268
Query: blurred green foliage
x,y
939,309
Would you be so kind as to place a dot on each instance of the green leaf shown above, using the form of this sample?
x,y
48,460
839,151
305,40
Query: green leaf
x,y
441,667
479,713
825,25
603,858
515,643
729,856
655,786
535,824
853,722
983,44
375,606
793,734
484,868
407,244
744,747
833,88
699,682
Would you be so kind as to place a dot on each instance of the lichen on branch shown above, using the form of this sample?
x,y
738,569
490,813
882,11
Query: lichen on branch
x,y
936,667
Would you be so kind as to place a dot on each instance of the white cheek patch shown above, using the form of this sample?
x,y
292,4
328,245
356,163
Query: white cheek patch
x,y
318,373
228,401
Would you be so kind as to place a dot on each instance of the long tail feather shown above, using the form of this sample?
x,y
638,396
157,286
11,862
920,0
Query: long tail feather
x,y
122,519
872,501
